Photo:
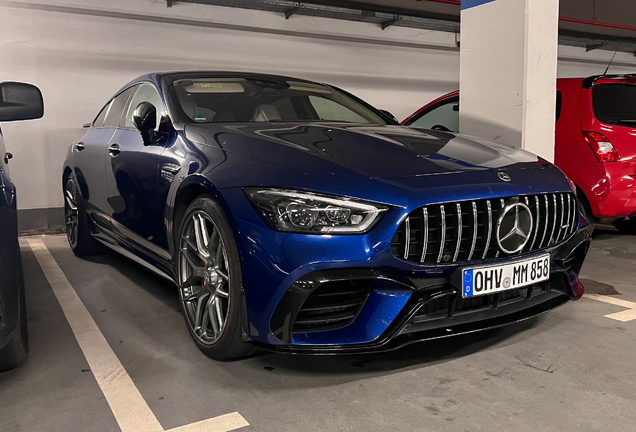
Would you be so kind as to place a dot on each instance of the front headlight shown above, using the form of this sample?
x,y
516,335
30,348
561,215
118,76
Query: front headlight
x,y
311,213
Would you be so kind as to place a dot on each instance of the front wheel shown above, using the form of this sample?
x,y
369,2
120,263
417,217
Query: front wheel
x,y
210,282
626,226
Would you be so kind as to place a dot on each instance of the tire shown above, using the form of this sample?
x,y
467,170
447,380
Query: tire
x,y
626,226
210,282
586,209
16,351
77,225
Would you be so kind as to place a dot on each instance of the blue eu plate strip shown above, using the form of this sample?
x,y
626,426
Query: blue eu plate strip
x,y
468,283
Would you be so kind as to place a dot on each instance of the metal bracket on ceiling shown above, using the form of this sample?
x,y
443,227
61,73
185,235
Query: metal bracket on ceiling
x,y
387,24
170,2
290,12
595,46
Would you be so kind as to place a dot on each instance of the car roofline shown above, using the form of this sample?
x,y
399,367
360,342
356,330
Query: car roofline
x,y
589,82
428,105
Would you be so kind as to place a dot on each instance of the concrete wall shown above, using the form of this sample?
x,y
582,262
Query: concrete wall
x,y
79,52
508,72
493,70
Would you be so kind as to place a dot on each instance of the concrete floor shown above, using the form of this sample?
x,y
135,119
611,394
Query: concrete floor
x,y
570,370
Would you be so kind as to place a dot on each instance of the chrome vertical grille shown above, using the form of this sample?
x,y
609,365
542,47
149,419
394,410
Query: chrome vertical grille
x,y
465,231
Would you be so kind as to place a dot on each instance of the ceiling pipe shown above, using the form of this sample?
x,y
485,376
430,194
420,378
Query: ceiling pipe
x,y
596,23
572,20
451,2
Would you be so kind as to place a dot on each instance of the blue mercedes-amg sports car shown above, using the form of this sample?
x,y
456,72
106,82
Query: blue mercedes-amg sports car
x,y
293,216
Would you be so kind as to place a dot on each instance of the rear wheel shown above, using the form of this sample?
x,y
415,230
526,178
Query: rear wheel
x,y
210,282
586,209
77,231
626,226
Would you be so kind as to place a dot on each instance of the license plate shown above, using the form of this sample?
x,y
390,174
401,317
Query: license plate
x,y
493,279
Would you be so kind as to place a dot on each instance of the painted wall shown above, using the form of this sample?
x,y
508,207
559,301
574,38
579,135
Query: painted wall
x,y
79,52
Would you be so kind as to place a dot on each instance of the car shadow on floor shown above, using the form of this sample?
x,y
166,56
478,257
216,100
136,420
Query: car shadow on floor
x,y
605,232
336,369
421,354
159,287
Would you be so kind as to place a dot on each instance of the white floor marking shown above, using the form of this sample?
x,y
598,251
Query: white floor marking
x,y
128,405
222,423
623,316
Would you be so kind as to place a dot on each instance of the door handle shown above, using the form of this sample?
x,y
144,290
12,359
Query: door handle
x,y
114,150
80,146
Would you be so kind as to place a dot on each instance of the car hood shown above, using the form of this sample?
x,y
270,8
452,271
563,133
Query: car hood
x,y
371,151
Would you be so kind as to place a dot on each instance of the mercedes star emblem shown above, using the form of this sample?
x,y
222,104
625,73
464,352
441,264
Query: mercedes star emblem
x,y
514,228
503,176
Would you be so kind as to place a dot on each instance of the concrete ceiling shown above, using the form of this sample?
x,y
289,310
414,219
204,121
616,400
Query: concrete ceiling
x,y
618,12
444,15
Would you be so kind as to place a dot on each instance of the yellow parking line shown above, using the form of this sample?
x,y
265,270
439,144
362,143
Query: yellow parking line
x,y
622,316
126,402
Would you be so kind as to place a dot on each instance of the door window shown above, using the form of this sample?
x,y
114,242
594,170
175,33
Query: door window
x,y
99,121
446,115
117,108
145,93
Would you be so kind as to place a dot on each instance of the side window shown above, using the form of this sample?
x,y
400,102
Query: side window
x,y
117,108
330,110
99,121
446,115
145,93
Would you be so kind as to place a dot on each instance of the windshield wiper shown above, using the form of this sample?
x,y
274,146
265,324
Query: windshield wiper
x,y
627,121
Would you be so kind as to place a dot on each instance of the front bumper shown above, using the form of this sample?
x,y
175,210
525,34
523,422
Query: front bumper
x,y
403,310
282,270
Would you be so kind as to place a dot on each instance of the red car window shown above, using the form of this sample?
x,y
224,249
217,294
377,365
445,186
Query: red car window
x,y
615,104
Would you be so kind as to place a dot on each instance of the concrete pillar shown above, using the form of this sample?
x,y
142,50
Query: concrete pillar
x,y
508,71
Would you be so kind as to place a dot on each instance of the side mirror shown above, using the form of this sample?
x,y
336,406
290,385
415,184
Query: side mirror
x,y
19,101
145,120
389,115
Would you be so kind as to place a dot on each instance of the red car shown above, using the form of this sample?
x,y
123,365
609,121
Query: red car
x,y
595,141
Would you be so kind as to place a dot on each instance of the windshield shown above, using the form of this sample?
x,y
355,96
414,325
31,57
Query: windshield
x,y
615,104
230,100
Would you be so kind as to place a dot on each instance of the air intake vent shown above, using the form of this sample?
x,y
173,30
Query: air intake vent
x,y
453,305
332,306
466,231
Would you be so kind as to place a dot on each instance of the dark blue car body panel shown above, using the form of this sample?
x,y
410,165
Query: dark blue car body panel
x,y
10,264
132,201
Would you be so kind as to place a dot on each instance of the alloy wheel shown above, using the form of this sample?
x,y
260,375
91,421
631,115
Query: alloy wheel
x,y
204,278
72,216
